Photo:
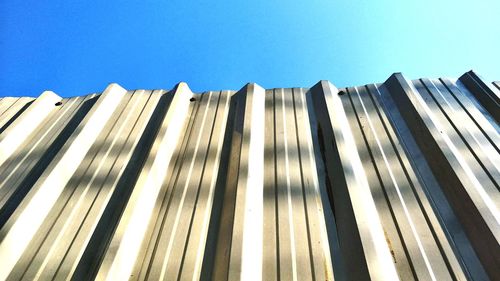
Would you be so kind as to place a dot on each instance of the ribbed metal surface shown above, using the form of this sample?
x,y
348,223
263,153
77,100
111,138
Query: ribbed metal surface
x,y
398,180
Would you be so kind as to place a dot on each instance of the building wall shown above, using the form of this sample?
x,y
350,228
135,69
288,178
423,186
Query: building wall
x,y
398,180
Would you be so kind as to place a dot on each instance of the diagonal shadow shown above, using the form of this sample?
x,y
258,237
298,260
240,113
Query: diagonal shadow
x,y
13,118
49,154
94,253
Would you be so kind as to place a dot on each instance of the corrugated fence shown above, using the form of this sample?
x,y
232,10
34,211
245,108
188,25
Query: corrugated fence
x,y
398,180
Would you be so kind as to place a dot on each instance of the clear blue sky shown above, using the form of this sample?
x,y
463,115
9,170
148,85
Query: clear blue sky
x,y
78,47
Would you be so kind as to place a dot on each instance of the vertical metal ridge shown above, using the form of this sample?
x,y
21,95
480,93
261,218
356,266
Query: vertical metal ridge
x,y
53,120
122,251
37,156
95,252
481,122
488,96
301,239
17,168
177,208
358,221
421,199
350,245
497,84
413,217
285,220
385,190
26,123
246,243
484,160
472,203
14,107
446,225
122,144
146,257
239,244
323,192
17,231
7,103
318,244
271,261
79,204
194,250
398,180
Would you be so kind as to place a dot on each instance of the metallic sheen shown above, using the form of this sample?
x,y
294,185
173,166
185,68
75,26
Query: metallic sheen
x,y
391,181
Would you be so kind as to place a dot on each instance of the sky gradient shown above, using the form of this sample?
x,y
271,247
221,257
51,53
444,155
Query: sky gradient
x,y
79,47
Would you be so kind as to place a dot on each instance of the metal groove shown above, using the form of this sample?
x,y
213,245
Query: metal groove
x,y
391,181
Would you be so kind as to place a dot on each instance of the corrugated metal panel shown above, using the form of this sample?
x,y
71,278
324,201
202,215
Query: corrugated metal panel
x,y
398,180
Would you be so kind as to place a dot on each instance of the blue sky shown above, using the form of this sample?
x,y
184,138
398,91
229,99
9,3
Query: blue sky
x,y
78,47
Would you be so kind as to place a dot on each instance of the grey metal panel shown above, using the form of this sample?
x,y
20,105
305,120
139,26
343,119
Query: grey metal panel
x,y
488,96
467,183
398,180
497,84
10,109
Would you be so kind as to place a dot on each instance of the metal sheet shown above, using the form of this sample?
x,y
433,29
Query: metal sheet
x,y
398,180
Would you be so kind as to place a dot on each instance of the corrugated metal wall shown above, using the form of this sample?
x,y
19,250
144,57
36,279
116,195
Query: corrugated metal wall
x,y
398,180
